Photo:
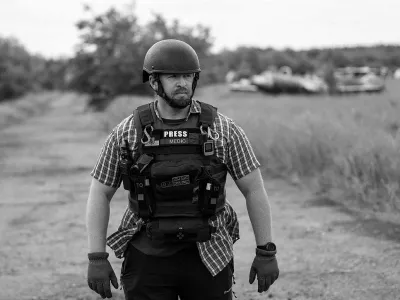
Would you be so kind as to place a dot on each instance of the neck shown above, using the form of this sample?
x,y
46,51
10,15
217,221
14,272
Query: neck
x,y
168,112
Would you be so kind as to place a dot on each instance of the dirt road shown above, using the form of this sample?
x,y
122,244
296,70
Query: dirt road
x,y
324,251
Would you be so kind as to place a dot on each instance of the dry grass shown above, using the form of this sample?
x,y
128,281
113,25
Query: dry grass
x,y
31,104
349,144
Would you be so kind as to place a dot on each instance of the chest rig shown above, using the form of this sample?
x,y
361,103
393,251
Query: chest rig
x,y
176,183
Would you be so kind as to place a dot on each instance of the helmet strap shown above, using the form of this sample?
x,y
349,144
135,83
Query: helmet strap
x,y
160,91
194,84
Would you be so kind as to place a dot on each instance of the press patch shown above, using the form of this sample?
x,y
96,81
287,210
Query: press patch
x,y
175,134
179,137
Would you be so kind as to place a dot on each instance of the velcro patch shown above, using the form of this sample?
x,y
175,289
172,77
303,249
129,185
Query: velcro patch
x,y
181,180
176,181
168,137
190,138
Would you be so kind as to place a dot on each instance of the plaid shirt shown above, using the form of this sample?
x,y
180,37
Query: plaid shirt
x,y
232,147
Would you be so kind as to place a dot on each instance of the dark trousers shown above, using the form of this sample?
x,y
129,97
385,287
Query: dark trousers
x,y
183,274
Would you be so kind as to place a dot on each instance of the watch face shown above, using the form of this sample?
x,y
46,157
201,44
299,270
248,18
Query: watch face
x,y
270,246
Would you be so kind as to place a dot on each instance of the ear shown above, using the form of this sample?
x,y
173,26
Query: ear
x,y
153,82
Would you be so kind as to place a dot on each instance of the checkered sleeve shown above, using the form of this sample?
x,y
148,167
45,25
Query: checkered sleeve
x,y
106,169
241,158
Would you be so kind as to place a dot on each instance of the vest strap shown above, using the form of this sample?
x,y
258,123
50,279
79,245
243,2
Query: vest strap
x,y
145,115
207,115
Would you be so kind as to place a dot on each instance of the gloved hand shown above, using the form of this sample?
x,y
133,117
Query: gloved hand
x,y
100,273
265,266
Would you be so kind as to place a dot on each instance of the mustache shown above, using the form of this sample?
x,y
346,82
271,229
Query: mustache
x,y
181,91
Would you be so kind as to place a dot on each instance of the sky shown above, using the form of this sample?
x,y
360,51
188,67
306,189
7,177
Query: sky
x,y
47,27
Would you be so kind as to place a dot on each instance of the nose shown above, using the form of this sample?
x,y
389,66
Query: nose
x,y
181,80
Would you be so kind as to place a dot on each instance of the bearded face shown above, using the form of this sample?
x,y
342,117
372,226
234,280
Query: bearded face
x,y
178,88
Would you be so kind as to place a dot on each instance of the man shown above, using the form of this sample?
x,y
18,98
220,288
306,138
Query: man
x,y
173,155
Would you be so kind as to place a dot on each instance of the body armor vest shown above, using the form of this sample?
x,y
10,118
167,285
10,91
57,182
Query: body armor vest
x,y
176,182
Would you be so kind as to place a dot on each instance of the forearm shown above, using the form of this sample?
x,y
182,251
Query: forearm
x,y
97,217
259,211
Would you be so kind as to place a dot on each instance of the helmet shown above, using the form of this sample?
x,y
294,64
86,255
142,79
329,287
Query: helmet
x,y
170,56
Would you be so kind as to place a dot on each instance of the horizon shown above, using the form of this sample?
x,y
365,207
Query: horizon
x,y
356,23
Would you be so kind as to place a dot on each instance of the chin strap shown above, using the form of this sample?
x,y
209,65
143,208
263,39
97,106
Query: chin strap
x,y
160,90
195,79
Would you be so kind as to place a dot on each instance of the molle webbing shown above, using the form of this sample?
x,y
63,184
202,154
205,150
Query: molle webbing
x,y
174,150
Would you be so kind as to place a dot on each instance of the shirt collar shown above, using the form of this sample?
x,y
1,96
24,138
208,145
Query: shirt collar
x,y
195,108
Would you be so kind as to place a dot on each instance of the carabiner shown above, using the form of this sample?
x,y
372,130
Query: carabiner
x,y
148,137
216,135
202,130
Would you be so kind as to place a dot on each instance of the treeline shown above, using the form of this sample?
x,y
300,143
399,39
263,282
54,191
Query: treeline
x,y
109,57
21,72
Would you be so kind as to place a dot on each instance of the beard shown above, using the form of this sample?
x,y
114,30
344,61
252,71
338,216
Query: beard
x,y
180,98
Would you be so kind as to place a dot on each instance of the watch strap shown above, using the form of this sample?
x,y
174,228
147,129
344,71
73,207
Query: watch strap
x,y
260,252
97,256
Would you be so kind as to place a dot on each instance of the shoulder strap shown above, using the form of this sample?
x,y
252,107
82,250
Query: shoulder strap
x,y
142,116
145,114
207,115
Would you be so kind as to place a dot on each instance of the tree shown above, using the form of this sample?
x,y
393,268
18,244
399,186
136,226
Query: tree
x,y
15,66
112,48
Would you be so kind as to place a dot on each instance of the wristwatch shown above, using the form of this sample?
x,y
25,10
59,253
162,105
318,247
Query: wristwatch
x,y
268,247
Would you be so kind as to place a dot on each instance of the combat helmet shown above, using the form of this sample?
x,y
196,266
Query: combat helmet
x,y
170,56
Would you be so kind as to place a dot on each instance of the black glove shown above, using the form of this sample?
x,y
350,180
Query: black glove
x,y
100,273
265,267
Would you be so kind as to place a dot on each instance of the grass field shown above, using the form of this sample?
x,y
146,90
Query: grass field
x,y
347,147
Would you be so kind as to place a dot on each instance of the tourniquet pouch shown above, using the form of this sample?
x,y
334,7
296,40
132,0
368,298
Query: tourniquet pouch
x,y
179,229
174,184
